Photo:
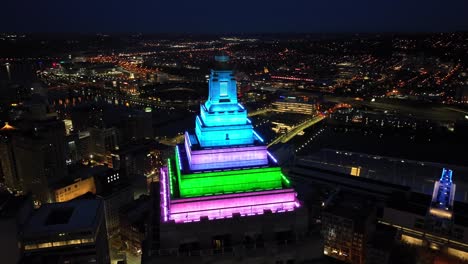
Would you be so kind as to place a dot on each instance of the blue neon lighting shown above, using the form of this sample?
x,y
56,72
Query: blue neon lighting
x,y
178,156
241,106
272,157
249,121
446,175
258,136
441,197
222,88
199,120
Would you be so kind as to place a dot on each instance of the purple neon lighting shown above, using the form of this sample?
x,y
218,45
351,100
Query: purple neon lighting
x,y
187,138
164,195
188,149
272,157
223,206
228,157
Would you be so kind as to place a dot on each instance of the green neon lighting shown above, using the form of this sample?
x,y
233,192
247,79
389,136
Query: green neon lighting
x,y
286,180
177,163
212,183
169,168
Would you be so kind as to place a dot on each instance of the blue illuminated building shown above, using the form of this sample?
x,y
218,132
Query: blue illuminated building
x,y
443,196
222,120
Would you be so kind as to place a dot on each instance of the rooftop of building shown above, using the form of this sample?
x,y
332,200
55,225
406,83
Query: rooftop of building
x,y
79,172
352,206
11,204
195,144
7,127
460,210
383,237
140,146
416,203
64,217
222,63
339,177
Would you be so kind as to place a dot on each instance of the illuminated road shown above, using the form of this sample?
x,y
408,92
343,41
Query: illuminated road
x,y
260,111
423,111
288,136
172,141
457,110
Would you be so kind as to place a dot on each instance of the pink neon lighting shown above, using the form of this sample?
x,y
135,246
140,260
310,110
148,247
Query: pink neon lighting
x,y
228,157
223,206
164,194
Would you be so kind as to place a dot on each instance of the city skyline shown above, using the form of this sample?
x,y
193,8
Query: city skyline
x,y
240,17
194,139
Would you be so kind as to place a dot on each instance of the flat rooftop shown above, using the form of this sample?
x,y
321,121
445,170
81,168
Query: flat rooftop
x,y
64,217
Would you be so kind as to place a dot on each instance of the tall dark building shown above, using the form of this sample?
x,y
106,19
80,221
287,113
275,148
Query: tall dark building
x,y
7,158
40,157
35,152
346,228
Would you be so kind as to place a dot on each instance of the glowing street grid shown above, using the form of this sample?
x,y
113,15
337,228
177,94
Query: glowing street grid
x,y
224,168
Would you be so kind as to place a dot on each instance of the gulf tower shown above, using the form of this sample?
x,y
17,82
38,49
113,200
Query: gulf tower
x,y
222,179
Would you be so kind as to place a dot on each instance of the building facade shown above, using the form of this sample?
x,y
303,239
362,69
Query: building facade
x,y
71,232
223,192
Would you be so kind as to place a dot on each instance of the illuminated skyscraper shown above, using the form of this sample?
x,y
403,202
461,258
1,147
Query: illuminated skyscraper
x,y
221,174
439,217
224,162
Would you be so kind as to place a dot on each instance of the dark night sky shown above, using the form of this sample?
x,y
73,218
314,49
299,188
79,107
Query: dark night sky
x,y
206,16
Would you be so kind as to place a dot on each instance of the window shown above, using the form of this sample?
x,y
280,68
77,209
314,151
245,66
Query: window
x,y
223,88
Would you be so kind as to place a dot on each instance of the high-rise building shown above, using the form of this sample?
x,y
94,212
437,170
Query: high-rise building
x,y
14,212
7,158
223,191
346,228
34,153
40,155
70,232
442,225
104,140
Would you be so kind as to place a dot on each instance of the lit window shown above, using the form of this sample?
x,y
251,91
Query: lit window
x,y
223,88
44,245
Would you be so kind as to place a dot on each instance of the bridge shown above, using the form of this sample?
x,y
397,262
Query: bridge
x,y
293,132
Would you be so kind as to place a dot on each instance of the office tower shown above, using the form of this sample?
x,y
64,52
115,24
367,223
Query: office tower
x,y
40,157
223,191
103,141
437,222
7,158
136,126
70,232
347,225
14,212
298,104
